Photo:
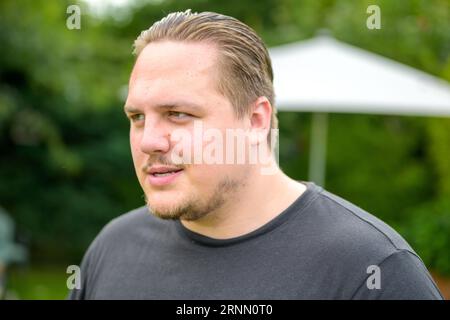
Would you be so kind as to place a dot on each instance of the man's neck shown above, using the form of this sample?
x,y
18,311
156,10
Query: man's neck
x,y
262,199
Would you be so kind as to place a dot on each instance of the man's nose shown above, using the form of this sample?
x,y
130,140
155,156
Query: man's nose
x,y
155,139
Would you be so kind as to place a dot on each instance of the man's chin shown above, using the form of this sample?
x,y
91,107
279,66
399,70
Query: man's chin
x,y
165,215
163,211
187,211
172,206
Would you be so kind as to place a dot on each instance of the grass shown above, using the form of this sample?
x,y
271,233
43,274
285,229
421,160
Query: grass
x,y
37,282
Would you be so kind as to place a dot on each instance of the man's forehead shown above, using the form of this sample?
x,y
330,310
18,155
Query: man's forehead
x,y
175,59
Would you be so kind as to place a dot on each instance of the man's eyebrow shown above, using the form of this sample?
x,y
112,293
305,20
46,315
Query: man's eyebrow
x,y
166,106
131,109
178,105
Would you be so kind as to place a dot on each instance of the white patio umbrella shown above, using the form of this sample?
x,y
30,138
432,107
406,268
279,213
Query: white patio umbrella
x,y
324,75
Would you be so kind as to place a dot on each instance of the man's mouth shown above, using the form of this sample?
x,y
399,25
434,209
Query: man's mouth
x,y
166,173
162,175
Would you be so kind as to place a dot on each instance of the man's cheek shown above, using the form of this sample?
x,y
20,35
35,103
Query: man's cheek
x,y
135,146
182,147
138,160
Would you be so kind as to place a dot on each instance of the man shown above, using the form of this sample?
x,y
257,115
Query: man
x,y
218,228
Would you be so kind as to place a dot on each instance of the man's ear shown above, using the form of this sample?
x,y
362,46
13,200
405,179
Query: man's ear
x,y
260,115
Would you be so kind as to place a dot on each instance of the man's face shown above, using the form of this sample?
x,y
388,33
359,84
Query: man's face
x,y
172,86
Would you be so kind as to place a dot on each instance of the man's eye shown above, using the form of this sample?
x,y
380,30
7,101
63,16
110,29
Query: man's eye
x,y
178,115
137,117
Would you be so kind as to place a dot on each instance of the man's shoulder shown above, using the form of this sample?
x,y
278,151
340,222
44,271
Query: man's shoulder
x,y
366,224
343,227
374,245
352,243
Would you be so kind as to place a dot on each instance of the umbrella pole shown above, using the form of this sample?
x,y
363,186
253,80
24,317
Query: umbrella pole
x,y
318,148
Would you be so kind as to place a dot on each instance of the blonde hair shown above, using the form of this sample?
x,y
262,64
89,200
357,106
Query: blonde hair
x,y
244,60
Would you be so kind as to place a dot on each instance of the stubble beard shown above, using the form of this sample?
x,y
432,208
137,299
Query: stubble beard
x,y
196,206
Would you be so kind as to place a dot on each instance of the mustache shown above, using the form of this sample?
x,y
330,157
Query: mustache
x,y
160,160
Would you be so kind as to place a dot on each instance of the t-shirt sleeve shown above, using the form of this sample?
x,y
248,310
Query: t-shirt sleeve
x,y
403,276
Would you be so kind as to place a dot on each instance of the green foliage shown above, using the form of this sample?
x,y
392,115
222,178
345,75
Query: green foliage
x,y
65,167
428,230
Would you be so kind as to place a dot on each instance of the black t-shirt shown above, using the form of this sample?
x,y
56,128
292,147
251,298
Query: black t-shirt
x,y
321,247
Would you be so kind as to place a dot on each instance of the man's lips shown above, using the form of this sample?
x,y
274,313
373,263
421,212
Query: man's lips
x,y
162,170
162,175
